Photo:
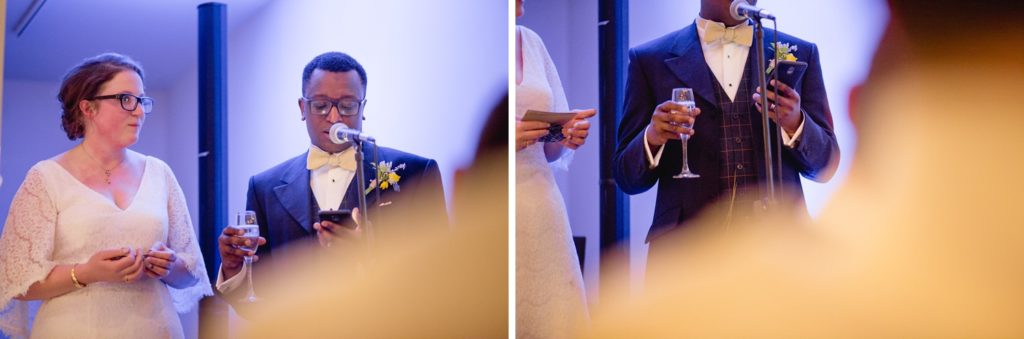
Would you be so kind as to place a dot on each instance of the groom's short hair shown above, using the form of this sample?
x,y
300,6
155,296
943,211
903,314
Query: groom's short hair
x,y
332,62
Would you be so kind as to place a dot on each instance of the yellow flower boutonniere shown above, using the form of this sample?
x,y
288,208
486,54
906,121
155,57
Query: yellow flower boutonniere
x,y
387,175
783,51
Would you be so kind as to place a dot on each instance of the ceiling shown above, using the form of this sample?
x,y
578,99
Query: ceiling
x,y
159,34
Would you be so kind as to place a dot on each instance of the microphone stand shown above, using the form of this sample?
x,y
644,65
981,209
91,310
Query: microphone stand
x,y
769,197
361,179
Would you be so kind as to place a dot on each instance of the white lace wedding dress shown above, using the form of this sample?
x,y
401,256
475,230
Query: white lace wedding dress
x,y
55,219
550,299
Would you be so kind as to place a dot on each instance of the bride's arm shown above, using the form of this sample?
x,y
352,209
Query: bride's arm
x,y
56,283
106,265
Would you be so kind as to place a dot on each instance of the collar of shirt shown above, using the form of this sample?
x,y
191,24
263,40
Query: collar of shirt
x,y
317,158
330,183
741,34
726,60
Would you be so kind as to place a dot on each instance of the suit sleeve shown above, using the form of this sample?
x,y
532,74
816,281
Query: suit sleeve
x,y
817,152
431,193
631,170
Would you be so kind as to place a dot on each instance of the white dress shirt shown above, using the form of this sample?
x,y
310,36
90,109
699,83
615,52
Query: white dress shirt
x,y
726,59
329,185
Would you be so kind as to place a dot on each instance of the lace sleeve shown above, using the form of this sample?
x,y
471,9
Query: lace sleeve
x,y
26,247
181,238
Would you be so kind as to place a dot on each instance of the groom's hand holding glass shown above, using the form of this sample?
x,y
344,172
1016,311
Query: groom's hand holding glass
x,y
667,123
230,244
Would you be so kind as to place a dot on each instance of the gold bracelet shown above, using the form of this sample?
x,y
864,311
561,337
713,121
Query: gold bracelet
x,y
74,278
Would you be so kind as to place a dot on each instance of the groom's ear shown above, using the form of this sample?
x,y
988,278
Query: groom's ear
x,y
302,109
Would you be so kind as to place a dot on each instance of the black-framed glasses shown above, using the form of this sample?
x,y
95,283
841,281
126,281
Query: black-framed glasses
x,y
346,107
129,102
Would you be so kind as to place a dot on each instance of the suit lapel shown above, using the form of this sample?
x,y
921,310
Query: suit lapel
x,y
688,64
295,194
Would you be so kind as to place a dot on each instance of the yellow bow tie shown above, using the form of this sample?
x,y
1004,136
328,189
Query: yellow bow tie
x,y
742,34
317,158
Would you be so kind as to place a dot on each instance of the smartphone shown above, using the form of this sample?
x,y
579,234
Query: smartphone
x,y
341,217
790,72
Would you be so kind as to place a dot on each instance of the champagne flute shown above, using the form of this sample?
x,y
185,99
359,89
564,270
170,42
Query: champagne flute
x,y
246,221
684,96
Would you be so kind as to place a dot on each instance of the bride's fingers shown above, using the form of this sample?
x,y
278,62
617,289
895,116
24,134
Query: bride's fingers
x,y
157,262
158,271
135,267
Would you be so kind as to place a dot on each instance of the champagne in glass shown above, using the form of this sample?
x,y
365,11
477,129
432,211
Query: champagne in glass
x,y
684,96
246,221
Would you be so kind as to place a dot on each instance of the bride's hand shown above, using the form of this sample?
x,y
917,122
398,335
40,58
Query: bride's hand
x,y
577,129
160,261
527,133
113,265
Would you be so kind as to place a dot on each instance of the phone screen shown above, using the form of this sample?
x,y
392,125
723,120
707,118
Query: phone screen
x,y
341,217
789,72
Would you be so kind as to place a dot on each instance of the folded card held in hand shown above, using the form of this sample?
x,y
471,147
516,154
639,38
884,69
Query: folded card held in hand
x,y
556,119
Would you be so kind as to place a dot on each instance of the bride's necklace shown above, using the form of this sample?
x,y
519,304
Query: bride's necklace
x,y
106,172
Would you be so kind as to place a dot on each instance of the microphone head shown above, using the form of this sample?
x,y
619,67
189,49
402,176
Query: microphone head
x,y
734,9
334,133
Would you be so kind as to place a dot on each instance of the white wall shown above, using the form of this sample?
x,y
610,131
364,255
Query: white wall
x,y
846,33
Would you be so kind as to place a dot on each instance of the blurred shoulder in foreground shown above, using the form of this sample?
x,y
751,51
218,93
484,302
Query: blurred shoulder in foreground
x,y
923,239
423,284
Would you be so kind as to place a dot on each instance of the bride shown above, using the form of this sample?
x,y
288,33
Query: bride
x,y
101,234
550,299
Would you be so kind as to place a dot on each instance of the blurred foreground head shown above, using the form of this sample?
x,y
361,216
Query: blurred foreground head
x,y
423,284
923,239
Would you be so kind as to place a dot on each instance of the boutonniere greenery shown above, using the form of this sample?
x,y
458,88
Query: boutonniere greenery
x,y
783,51
387,175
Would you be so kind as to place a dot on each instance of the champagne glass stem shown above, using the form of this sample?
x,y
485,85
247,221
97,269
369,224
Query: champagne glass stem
x,y
686,159
248,273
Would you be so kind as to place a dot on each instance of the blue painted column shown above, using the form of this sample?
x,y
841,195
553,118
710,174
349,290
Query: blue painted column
x,y
213,155
613,37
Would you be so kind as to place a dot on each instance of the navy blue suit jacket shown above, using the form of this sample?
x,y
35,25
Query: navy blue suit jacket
x,y
677,60
286,209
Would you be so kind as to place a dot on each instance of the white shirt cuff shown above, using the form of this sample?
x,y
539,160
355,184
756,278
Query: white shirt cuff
x,y
790,140
232,284
653,160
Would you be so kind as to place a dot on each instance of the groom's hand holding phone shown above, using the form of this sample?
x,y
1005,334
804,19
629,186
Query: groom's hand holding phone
x,y
784,109
338,226
229,244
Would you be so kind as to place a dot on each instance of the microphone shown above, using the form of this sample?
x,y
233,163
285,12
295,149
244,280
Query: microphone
x,y
741,9
340,134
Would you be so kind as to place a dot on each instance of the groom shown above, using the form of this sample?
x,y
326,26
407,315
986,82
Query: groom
x,y
287,197
714,57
